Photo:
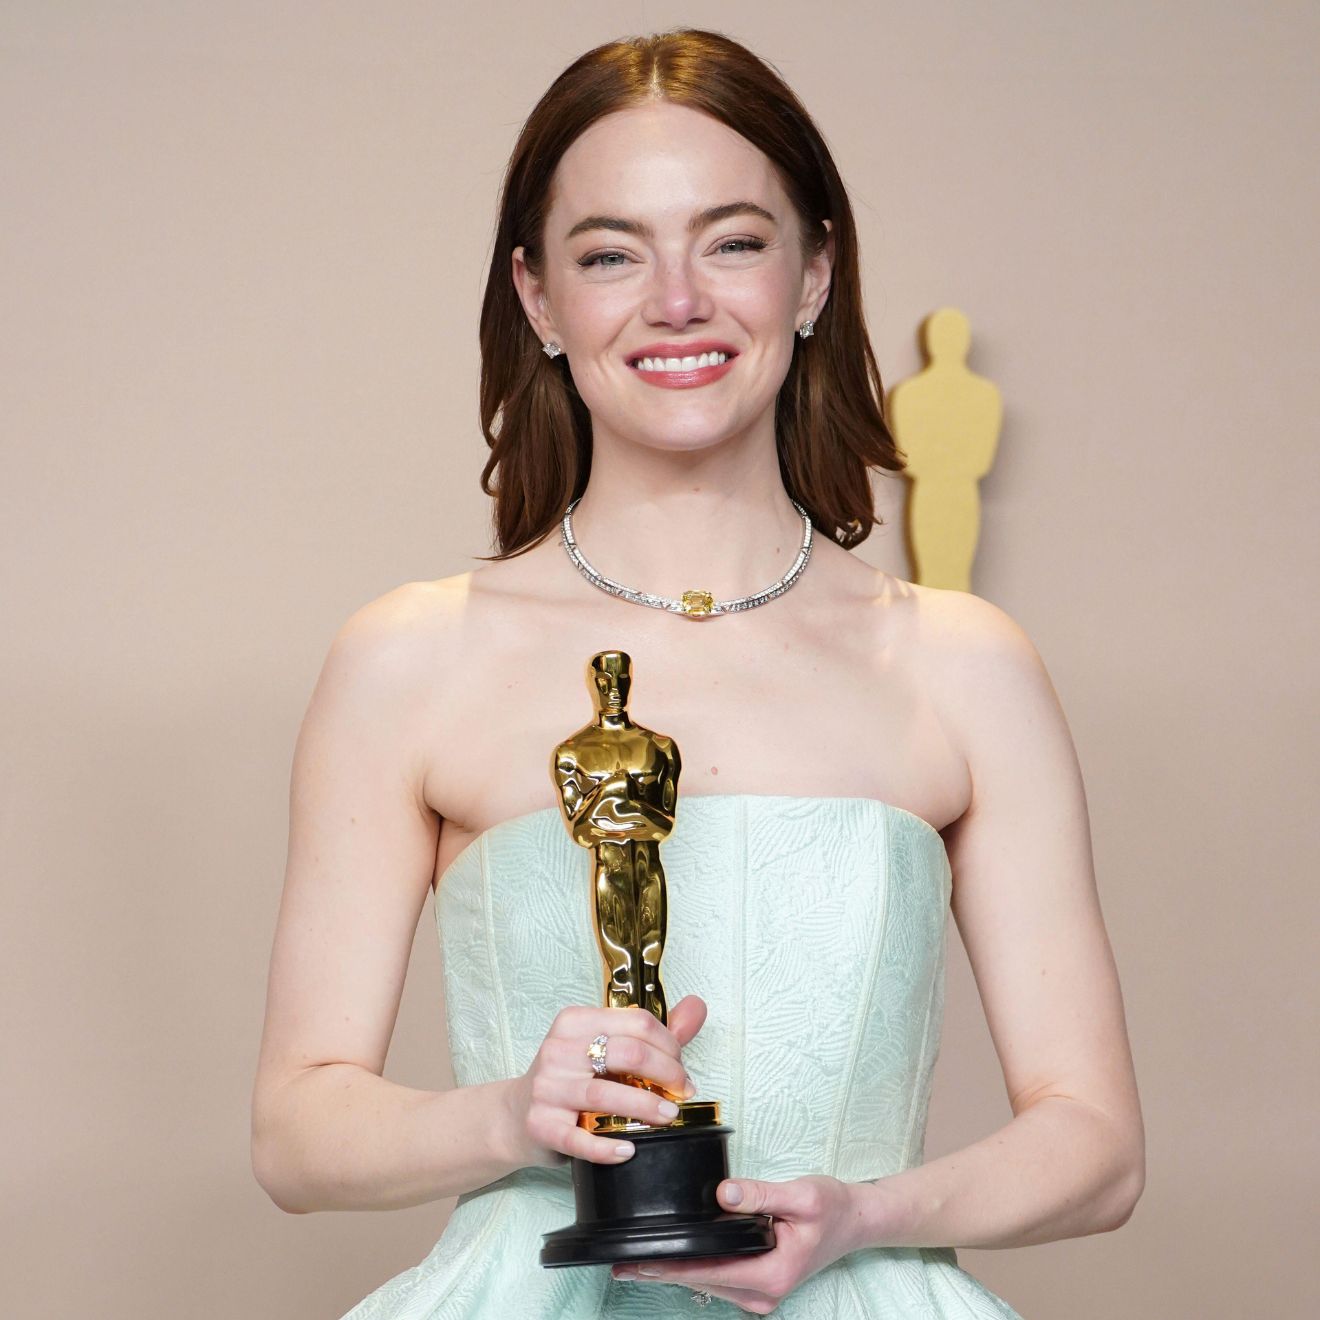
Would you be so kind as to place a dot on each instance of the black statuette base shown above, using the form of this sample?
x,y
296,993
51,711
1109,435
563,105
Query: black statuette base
x,y
658,1205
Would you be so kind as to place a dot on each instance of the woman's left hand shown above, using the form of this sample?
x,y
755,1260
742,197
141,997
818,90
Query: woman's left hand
x,y
815,1218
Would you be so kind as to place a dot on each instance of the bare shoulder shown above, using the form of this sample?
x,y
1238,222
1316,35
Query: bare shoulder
x,y
411,613
979,665
404,626
383,661
971,641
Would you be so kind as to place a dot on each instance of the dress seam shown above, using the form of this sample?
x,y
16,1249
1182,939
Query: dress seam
x,y
739,962
474,1246
496,980
863,1011
857,1292
924,1067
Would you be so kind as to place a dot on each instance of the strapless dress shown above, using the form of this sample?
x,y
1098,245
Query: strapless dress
x,y
814,929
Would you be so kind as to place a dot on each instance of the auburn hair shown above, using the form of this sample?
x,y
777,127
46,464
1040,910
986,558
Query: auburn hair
x,y
829,415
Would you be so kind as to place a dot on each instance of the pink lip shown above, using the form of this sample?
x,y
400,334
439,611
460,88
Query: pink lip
x,y
683,380
692,348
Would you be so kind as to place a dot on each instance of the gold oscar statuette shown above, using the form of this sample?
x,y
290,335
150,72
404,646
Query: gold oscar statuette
x,y
618,786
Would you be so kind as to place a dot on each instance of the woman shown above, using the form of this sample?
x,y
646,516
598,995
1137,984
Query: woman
x,y
674,354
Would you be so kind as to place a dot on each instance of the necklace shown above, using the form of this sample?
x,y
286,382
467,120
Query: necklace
x,y
695,604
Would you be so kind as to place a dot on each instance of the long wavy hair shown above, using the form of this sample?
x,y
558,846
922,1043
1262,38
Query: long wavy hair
x,y
829,414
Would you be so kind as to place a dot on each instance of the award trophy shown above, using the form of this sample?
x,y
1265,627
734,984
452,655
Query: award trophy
x,y
617,784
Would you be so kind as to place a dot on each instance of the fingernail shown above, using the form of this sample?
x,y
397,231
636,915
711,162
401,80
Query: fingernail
x,y
668,1109
626,1274
649,1271
733,1194
623,1150
690,1089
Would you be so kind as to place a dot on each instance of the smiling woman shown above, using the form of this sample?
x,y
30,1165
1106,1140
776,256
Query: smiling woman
x,y
632,121
676,377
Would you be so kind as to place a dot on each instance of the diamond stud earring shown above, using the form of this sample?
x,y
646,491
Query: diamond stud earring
x,y
807,329
551,349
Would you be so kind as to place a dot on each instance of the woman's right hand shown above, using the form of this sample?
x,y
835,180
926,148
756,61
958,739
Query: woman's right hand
x,y
546,1101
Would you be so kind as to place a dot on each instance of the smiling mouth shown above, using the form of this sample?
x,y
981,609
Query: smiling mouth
x,y
676,365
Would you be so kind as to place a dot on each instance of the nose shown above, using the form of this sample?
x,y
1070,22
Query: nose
x,y
676,295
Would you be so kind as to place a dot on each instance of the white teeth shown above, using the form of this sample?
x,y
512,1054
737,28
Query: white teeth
x,y
681,364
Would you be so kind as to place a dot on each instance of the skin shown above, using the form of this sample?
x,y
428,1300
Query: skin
x,y
438,702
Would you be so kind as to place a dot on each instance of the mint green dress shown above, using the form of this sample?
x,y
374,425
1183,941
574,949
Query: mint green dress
x,y
813,927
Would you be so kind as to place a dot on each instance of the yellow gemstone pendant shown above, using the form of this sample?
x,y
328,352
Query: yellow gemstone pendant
x,y
698,602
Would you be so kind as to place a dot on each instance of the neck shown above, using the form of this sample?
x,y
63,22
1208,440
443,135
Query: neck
x,y
666,521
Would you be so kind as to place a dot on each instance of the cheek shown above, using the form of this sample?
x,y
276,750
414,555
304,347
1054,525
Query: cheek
x,y
592,312
768,302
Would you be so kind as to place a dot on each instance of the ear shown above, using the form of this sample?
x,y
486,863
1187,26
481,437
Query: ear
x,y
816,278
531,293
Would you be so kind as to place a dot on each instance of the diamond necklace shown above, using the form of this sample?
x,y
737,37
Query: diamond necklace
x,y
695,604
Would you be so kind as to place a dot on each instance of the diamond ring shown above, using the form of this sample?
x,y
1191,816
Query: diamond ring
x,y
700,1297
596,1053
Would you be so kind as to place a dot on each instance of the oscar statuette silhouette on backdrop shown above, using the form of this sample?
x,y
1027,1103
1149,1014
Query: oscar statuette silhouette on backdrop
x,y
946,420
618,787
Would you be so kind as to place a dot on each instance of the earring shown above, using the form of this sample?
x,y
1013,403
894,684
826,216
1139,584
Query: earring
x,y
551,349
807,329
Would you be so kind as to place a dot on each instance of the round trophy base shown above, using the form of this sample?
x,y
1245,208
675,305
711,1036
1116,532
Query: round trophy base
x,y
658,1205
658,1237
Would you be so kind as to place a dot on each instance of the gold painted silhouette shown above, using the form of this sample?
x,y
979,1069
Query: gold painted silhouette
x,y
946,420
618,785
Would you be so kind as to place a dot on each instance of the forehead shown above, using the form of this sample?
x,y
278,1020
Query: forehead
x,y
660,160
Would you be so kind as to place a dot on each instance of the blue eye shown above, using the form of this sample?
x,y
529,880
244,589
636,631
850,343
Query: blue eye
x,y
602,259
599,260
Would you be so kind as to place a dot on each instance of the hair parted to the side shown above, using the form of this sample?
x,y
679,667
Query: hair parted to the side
x,y
829,422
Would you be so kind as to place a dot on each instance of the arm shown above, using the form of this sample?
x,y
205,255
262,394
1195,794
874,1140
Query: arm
x,y
1071,1161
328,1131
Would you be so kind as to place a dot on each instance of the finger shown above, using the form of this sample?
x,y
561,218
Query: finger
x,y
581,1144
625,1056
609,1097
796,1199
736,1273
687,1017
631,1056
578,1023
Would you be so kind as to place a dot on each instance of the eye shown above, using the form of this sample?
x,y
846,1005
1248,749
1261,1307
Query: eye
x,y
599,259
746,244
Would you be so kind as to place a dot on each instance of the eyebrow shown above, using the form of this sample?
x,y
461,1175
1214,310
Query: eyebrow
x,y
700,219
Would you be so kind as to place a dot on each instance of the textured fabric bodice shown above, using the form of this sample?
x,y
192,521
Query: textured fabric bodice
x,y
813,927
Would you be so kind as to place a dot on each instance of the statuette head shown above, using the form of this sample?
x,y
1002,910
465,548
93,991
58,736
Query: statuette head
x,y
610,677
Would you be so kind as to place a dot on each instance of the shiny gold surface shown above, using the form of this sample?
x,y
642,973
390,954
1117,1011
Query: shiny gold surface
x,y
617,785
691,1114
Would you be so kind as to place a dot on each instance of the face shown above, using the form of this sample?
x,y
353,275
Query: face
x,y
611,678
669,237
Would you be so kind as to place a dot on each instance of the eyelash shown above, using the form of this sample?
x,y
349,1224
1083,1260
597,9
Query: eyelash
x,y
754,244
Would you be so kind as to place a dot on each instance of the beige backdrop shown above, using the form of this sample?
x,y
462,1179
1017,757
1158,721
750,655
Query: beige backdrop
x,y
243,250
